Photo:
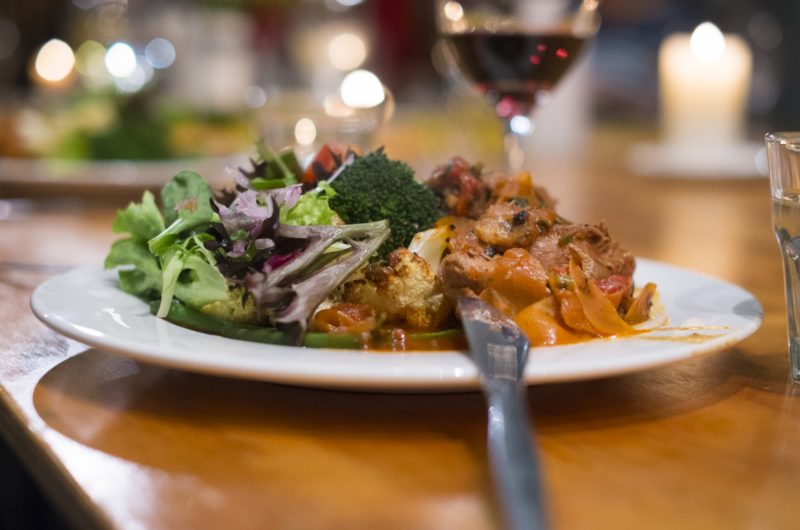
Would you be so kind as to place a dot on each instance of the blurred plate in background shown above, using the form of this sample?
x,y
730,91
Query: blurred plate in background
x,y
116,174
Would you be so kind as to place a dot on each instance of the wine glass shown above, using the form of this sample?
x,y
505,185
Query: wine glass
x,y
514,52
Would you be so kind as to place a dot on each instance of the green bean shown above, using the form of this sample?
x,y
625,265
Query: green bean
x,y
332,340
188,317
443,334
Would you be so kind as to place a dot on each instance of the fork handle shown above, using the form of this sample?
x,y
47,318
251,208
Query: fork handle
x,y
513,462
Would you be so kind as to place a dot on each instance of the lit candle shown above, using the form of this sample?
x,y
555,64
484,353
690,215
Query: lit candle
x,y
704,79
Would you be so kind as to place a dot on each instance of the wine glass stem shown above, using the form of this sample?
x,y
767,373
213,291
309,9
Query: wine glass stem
x,y
512,143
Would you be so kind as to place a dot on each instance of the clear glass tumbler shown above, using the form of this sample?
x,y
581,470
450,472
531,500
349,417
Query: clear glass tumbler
x,y
783,151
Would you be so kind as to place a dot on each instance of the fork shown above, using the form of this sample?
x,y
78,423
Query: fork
x,y
499,349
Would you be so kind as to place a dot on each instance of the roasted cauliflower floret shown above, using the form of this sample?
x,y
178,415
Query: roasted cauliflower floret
x,y
237,308
403,291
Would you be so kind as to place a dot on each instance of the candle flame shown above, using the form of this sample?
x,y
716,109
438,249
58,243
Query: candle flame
x,y
707,43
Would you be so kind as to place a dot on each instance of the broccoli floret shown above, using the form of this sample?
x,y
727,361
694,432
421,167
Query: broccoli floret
x,y
373,188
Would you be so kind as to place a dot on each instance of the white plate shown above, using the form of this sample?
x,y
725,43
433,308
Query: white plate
x,y
86,305
121,174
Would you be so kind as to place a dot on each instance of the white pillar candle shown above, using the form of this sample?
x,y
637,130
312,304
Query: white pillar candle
x,y
704,80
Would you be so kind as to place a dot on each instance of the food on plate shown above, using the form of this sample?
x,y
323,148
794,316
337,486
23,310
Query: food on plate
x,y
354,251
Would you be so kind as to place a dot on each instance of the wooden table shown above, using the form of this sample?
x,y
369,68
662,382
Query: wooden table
x,y
713,442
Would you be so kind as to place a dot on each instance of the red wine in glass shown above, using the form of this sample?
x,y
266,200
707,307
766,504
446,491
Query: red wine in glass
x,y
513,69
515,52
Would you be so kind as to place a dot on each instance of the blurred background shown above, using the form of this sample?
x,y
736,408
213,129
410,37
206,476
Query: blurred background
x,y
112,79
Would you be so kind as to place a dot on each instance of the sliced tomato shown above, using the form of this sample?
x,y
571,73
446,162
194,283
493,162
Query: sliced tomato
x,y
328,159
615,287
345,318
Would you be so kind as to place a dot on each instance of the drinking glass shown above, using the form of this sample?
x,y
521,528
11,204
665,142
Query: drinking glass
x,y
514,52
783,152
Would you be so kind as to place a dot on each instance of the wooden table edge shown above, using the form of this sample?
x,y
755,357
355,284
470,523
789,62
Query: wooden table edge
x,y
50,475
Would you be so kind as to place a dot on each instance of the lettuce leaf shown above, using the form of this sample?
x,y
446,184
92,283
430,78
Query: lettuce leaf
x,y
187,206
312,208
173,261
142,220
189,273
144,279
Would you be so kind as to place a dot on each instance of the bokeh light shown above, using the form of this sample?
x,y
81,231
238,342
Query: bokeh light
x,y
142,73
160,53
361,89
90,59
120,60
521,125
342,5
255,97
765,31
347,51
305,131
9,38
55,61
453,11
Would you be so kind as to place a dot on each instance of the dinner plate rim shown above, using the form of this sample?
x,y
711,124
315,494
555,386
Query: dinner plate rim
x,y
353,369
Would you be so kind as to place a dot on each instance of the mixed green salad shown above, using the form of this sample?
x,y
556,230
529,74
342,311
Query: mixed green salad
x,y
255,261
